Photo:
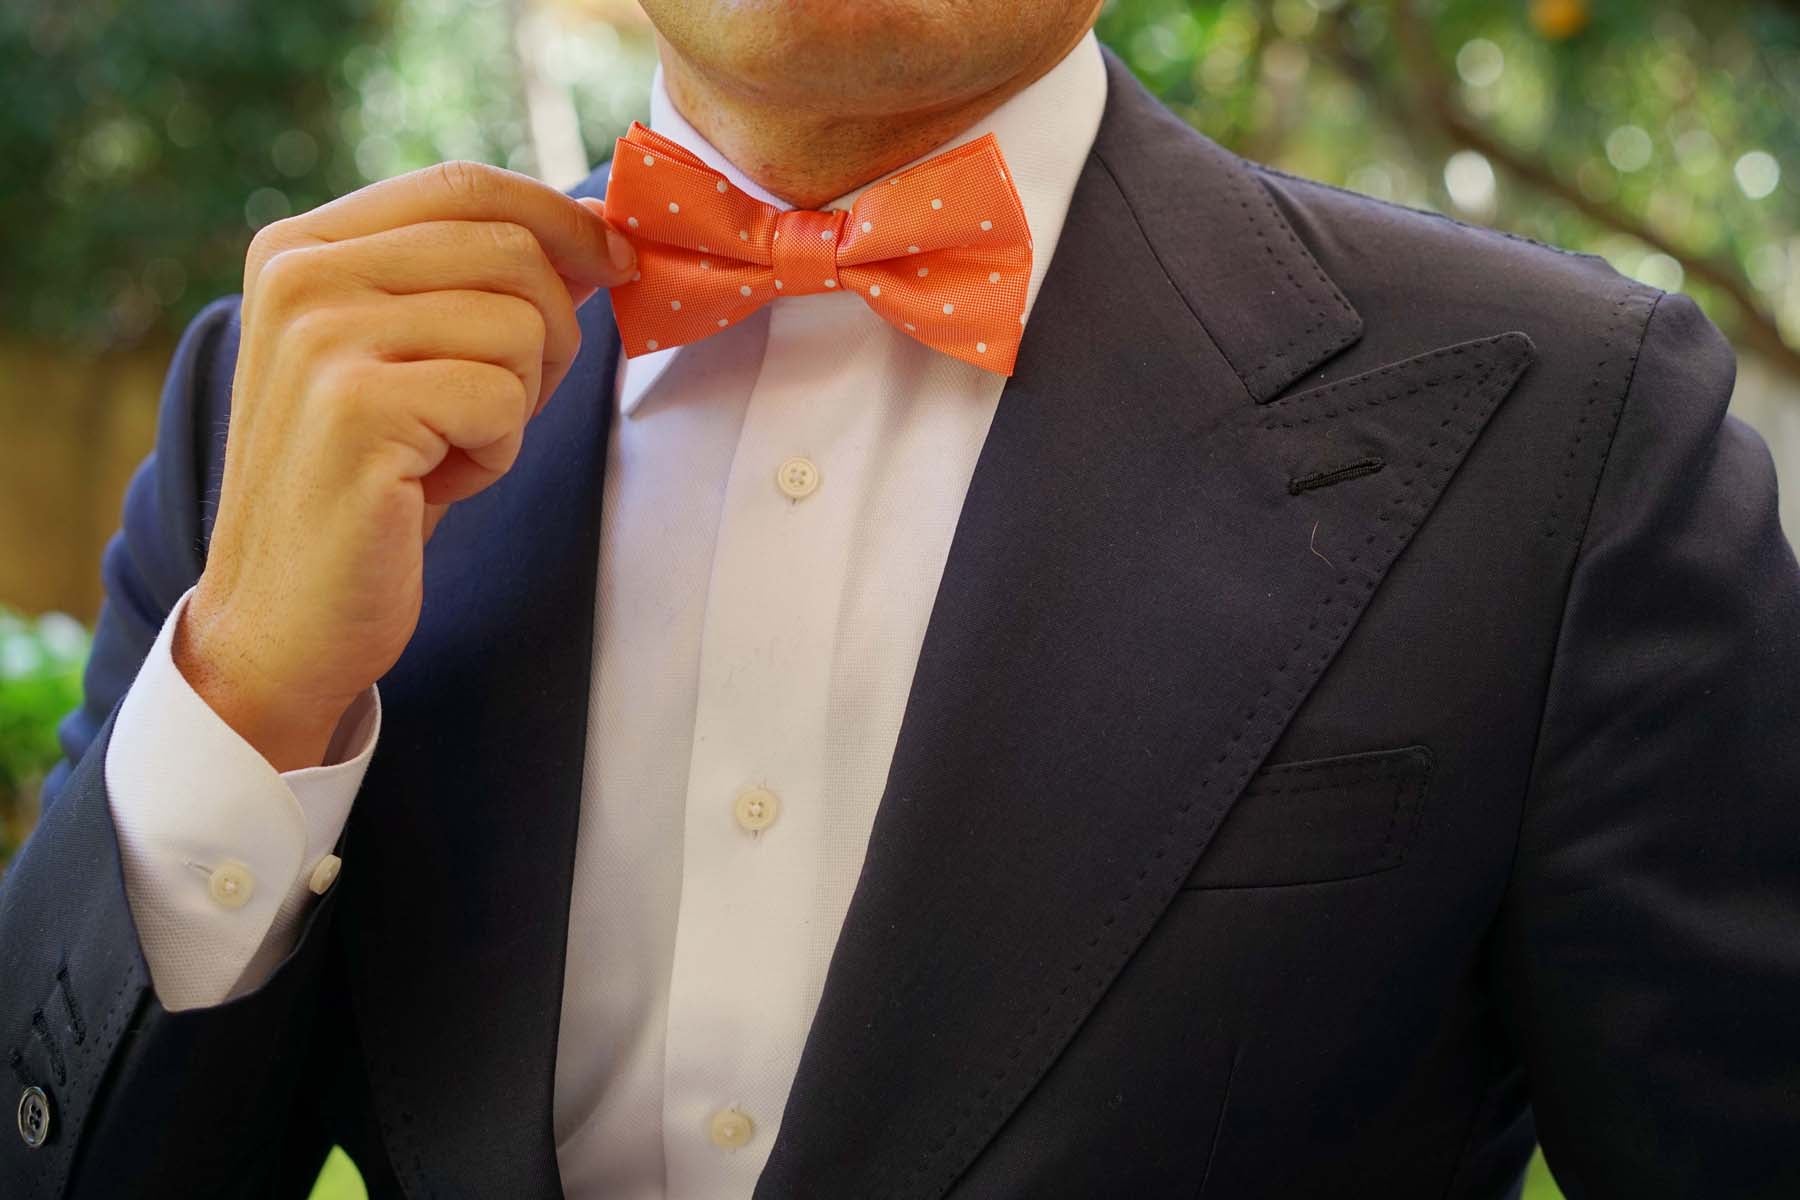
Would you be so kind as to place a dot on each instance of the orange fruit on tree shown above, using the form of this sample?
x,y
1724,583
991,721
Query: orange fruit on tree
x,y
1559,19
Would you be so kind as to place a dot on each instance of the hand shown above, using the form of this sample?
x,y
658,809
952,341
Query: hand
x,y
395,343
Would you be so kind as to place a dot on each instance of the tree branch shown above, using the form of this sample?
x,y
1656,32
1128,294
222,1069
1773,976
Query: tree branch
x,y
1755,325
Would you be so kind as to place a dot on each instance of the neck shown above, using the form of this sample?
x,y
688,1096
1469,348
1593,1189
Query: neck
x,y
809,158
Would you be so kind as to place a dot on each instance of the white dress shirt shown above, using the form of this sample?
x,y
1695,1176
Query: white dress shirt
x,y
779,504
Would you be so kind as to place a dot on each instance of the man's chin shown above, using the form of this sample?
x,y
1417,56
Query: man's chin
x,y
865,59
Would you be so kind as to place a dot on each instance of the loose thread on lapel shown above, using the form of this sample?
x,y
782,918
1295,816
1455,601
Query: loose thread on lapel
x,y
1312,543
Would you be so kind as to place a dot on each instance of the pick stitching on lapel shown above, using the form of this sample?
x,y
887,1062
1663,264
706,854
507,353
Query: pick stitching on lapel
x,y
1039,806
1130,615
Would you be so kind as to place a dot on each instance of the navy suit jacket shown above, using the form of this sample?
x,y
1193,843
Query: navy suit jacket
x,y
1358,728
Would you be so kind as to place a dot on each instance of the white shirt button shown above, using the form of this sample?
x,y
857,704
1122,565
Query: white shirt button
x,y
757,809
797,478
325,874
231,885
730,1128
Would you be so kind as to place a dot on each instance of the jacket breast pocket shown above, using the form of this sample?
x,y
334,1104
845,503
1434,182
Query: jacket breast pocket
x,y
1319,820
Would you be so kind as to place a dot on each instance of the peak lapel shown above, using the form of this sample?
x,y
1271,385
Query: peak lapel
x,y
1137,599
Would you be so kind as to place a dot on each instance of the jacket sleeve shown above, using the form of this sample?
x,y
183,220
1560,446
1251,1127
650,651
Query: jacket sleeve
x,y
1648,953
141,1101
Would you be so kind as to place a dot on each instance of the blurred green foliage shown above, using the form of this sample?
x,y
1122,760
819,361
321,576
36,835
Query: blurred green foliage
x,y
144,143
40,682
1653,132
142,140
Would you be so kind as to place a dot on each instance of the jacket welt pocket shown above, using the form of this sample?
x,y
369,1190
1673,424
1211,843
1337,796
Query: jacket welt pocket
x,y
1319,820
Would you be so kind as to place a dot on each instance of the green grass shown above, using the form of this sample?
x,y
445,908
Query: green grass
x,y
341,1181
1538,1184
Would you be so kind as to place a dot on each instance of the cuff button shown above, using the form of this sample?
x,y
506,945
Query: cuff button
x,y
325,874
231,885
34,1117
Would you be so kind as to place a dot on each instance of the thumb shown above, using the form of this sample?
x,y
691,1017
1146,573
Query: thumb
x,y
618,249
618,246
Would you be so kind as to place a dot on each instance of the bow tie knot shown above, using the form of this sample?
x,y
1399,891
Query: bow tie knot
x,y
804,251
941,251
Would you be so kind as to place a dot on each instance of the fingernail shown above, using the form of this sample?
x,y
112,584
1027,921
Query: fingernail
x,y
618,248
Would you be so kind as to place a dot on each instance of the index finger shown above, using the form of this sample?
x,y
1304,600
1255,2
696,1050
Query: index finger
x,y
575,238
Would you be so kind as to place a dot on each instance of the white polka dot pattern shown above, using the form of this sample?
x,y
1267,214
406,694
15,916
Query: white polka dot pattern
x,y
958,213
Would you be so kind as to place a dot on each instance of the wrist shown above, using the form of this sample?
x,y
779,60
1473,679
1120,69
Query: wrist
x,y
273,715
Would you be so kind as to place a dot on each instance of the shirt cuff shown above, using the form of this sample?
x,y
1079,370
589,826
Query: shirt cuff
x,y
221,853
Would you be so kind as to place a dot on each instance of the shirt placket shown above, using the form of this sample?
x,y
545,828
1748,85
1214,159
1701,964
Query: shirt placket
x,y
756,808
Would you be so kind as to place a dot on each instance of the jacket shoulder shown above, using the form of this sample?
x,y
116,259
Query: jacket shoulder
x,y
1422,281
1430,278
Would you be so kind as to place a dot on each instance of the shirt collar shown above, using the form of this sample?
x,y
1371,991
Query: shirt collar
x,y
1045,132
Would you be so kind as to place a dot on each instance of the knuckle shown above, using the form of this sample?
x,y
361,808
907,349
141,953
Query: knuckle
x,y
285,277
266,243
464,179
512,389
524,320
344,401
513,240
341,386
493,387
487,379
312,331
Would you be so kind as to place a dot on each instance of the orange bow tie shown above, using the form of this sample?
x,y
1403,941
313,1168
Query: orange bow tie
x,y
941,250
